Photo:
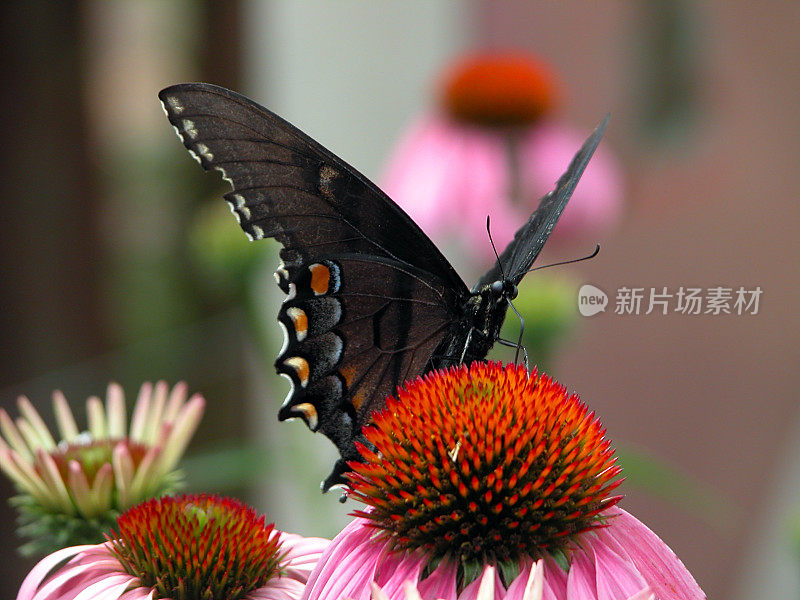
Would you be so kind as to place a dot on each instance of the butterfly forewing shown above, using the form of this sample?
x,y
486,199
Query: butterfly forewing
x,y
287,186
529,240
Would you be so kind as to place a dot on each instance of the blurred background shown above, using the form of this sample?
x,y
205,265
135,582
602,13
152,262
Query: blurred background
x,y
114,265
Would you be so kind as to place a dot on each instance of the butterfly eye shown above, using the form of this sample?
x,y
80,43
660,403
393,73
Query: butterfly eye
x,y
497,288
509,290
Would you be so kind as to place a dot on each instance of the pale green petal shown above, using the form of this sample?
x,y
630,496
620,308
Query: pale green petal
x,y
177,398
13,436
64,418
181,434
141,411
122,463
79,486
146,477
30,414
96,415
52,478
103,488
152,430
115,411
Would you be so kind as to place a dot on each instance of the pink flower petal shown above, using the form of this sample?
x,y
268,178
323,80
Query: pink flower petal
x,y
441,583
40,571
348,566
488,586
396,570
423,175
615,577
139,594
581,577
109,588
529,584
658,564
280,588
302,555
555,580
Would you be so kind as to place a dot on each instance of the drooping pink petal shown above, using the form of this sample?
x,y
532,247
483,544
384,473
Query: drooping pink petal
x,y
423,174
40,571
348,566
488,586
555,580
397,569
658,564
139,594
529,584
614,576
278,588
302,555
441,583
108,588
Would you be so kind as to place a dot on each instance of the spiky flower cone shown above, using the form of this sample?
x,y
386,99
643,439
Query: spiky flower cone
x,y
493,465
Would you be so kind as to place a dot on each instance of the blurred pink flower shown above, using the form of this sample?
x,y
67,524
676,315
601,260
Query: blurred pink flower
x,y
461,163
450,176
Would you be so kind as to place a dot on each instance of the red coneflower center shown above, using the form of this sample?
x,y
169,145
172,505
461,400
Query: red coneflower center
x,y
485,463
503,89
197,547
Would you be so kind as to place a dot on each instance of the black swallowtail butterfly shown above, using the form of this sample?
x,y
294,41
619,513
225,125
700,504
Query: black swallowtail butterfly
x,y
371,300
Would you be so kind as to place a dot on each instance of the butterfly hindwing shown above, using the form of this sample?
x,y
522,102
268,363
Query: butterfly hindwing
x,y
356,326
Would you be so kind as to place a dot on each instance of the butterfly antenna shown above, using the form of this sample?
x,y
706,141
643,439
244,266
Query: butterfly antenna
x,y
566,262
494,249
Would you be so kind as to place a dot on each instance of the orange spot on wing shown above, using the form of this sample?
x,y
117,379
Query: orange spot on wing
x,y
300,321
320,278
301,367
310,414
357,400
348,373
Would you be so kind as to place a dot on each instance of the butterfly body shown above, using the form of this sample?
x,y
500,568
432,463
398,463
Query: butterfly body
x,y
371,301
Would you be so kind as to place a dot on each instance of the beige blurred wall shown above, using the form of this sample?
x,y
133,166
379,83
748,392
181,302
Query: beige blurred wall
x,y
715,395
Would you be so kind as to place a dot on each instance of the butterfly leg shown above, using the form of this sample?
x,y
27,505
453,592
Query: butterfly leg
x,y
466,345
521,331
518,346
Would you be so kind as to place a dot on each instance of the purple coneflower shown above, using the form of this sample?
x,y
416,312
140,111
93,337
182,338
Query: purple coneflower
x,y
488,482
71,488
194,547
494,147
